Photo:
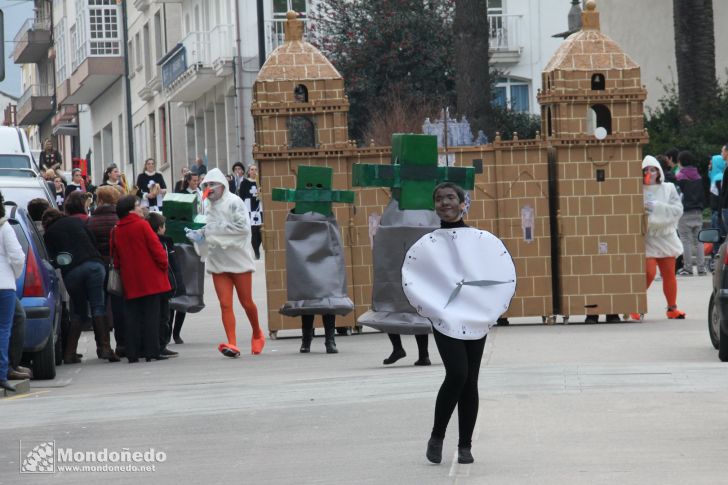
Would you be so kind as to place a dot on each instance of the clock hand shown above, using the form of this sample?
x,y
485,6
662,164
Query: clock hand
x,y
454,293
484,283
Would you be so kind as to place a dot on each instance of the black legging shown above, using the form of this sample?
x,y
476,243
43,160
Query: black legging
x,y
462,365
329,319
396,340
256,239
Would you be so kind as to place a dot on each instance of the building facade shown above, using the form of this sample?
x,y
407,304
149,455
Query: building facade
x,y
33,43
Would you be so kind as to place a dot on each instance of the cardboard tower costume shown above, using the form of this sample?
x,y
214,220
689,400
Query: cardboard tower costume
x,y
315,267
413,175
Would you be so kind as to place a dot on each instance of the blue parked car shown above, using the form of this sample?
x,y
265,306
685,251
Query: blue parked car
x,y
39,293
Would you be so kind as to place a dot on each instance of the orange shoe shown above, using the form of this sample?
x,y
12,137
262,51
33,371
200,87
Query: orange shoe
x,y
229,350
257,344
636,317
675,314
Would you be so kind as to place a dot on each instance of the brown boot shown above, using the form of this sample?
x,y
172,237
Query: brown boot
x,y
101,330
69,349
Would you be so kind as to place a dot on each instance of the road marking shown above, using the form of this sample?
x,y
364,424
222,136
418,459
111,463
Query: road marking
x,y
20,396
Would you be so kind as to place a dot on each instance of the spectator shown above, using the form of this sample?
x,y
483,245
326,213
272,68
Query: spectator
x,y
36,208
667,169
77,204
723,194
59,192
671,159
250,194
12,260
199,167
102,221
17,341
191,184
50,158
142,261
157,221
236,178
77,183
72,247
181,181
112,178
151,186
691,222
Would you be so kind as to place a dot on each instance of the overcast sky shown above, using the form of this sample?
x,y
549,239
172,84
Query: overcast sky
x,y
16,12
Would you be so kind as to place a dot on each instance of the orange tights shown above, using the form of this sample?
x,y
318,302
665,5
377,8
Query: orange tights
x,y
243,283
669,281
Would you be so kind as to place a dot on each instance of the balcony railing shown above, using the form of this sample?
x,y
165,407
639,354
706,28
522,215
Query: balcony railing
x,y
275,35
35,90
504,32
32,24
222,45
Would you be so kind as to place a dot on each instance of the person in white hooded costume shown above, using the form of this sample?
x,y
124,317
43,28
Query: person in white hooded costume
x,y
224,247
662,245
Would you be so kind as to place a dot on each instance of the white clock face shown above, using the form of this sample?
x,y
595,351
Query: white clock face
x,y
462,279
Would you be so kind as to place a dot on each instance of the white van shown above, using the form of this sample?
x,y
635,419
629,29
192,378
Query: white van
x,y
15,150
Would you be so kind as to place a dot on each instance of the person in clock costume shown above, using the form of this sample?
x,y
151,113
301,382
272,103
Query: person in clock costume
x,y
460,340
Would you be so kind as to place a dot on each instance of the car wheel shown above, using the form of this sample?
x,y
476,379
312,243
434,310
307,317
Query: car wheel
x,y
713,322
44,362
58,351
723,345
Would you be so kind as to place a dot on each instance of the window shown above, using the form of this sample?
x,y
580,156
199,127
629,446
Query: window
x,y
598,116
147,46
60,44
153,136
597,82
140,143
163,134
103,28
512,94
132,59
300,94
301,132
495,7
138,52
158,45
280,7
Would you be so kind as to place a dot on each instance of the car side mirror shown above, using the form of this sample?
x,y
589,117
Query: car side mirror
x,y
709,236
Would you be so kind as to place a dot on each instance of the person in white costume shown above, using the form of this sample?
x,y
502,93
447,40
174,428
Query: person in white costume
x,y
224,245
662,244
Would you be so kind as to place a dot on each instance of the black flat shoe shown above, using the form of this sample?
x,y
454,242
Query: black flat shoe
x,y
434,450
169,353
178,340
423,361
394,356
464,456
158,357
7,386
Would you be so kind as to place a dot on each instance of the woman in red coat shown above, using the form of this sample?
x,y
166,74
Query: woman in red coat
x,y
142,261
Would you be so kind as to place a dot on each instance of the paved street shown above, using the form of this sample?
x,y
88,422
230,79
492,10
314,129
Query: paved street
x,y
607,403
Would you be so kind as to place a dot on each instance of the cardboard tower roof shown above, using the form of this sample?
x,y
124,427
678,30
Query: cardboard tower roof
x,y
296,59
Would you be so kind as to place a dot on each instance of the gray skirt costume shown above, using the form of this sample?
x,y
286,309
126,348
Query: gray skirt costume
x,y
398,230
315,267
193,274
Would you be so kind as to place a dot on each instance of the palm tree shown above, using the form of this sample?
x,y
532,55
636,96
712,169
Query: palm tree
x,y
695,57
472,86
